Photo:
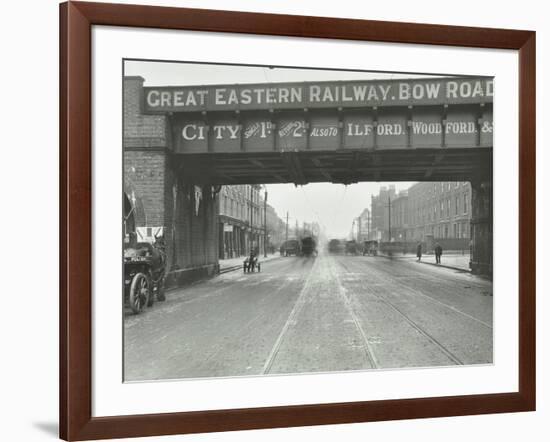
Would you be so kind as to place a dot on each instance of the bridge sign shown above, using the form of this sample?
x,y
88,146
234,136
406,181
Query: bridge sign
x,y
350,94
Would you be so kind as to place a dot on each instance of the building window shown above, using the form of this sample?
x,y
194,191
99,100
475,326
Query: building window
x,y
457,205
465,203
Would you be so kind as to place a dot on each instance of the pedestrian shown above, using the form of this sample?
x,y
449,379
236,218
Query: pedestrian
x,y
438,252
419,251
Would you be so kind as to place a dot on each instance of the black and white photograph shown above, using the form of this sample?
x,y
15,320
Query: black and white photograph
x,y
284,220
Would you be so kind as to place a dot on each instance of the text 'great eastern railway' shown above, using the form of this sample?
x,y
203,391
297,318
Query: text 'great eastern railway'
x,y
327,94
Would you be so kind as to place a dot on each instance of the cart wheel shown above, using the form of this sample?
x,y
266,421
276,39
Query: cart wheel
x,y
139,293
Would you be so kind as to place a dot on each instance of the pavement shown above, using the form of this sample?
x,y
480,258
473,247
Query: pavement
x,y
303,315
456,261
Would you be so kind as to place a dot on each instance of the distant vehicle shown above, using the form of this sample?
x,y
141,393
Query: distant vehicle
x,y
308,246
351,247
370,248
290,247
335,246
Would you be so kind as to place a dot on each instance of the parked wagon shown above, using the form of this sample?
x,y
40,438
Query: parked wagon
x,y
144,275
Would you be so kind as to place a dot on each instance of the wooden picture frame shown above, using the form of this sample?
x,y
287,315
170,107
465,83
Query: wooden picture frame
x,y
76,21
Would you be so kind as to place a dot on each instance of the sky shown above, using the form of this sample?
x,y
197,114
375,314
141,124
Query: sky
x,y
334,206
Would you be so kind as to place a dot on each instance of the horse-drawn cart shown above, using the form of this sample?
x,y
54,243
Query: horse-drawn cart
x,y
251,263
144,273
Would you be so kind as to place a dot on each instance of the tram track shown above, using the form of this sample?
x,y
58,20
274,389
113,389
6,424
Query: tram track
x,y
298,306
303,298
415,292
456,360
369,351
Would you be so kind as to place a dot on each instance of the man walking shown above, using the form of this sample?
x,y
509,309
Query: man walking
x,y
438,252
419,251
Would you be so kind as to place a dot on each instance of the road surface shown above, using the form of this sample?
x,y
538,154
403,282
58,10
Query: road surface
x,y
300,315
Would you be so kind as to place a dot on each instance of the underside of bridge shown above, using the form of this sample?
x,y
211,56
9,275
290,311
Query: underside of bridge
x,y
343,166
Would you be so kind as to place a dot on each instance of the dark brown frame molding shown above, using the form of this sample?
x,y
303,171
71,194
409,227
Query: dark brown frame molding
x,y
76,21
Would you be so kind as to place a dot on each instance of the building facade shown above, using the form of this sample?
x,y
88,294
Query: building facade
x,y
400,217
276,229
361,229
380,213
241,221
441,210
427,212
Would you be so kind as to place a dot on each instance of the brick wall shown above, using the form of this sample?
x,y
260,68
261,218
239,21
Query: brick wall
x,y
141,130
162,198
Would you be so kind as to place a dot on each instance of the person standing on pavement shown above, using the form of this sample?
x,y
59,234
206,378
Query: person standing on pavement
x,y
419,251
438,252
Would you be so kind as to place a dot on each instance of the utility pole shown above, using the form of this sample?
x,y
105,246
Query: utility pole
x,y
286,234
250,234
265,223
389,219
359,229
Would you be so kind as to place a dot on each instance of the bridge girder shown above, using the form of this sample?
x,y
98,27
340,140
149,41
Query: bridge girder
x,y
341,166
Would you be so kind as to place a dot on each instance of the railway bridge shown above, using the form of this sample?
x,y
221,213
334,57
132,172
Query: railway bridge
x,y
428,129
